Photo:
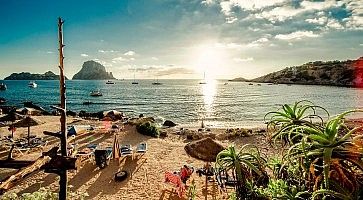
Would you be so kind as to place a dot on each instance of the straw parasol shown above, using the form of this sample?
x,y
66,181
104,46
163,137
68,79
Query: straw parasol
x,y
11,117
27,122
205,149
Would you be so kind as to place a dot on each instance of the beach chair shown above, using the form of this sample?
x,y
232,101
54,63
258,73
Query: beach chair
x,y
175,180
102,157
87,152
126,150
141,148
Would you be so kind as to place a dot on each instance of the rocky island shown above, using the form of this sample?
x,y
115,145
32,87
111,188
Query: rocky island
x,y
28,76
92,70
347,73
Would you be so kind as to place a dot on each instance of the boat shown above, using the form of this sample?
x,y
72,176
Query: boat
x,y
87,102
225,83
250,84
134,82
203,81
3,86
96,93
32,84
157,82
110,82
2,100
258,84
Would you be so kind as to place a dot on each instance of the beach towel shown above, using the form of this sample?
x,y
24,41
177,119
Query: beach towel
x,y
176,181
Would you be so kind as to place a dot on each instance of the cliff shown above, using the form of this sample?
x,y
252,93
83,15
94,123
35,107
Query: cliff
x,y
347,73
28,76
92,70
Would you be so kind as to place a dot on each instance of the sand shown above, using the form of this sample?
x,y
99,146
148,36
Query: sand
x,y
146,180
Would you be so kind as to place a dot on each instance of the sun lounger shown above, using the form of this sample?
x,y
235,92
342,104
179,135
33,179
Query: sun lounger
x,y
126,150
102,157
141,148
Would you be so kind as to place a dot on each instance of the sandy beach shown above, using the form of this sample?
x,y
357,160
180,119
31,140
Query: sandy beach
x,y
146,172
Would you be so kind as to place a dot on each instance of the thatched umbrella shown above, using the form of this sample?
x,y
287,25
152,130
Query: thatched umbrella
x,y
205,149
11,117
28,122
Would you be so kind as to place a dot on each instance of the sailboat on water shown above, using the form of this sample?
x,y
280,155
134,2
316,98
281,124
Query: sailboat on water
x,y
203,81
134,82
157,82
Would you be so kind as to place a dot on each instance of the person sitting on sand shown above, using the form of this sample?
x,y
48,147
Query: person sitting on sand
x,y
185,173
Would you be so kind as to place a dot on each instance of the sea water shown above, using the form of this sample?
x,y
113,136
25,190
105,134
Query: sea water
x,y
217,103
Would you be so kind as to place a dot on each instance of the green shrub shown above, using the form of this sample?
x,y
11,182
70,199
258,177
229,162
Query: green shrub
x,y
148,128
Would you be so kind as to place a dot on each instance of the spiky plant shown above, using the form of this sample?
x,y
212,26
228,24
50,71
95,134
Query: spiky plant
x,y
291,117
245,163
330,153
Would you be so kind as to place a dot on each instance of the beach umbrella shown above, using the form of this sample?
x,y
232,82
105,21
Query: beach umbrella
x,y
205,149
116,148
27,122
11,117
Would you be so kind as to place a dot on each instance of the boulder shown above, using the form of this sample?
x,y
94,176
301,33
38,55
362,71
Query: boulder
x,y
169,123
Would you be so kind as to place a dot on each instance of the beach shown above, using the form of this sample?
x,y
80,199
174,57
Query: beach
x,y
146,180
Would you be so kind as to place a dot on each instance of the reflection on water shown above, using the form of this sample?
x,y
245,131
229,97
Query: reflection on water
x,y
209,91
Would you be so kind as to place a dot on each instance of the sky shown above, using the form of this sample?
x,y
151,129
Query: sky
x,y
178,38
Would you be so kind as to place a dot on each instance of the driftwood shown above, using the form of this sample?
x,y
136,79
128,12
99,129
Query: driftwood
x,y
11,181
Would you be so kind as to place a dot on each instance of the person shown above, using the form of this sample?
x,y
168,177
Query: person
x,y
185,173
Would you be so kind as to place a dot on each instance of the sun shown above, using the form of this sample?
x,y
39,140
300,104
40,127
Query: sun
x,y
209,59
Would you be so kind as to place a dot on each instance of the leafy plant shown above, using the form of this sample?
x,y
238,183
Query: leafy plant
x,y
148,128
291,117
247,164
279,190
192,191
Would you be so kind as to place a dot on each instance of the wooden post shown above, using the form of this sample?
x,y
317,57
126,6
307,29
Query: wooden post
x,y
62,86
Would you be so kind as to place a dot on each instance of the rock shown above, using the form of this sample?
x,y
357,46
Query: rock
x,y
28,76
337,73
71,113
163,134
141,115
240,79
169,123
92,70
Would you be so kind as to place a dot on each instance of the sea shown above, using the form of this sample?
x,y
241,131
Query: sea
x,y
218,103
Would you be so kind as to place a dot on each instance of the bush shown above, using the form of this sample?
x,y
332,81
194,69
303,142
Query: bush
x,y
148,128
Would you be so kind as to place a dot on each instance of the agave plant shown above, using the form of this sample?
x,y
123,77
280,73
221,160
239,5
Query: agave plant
x,y
244,163
291,117
330,153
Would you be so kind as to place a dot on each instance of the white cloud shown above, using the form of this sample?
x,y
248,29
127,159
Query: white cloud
x,y
208,2
249,59
154,58
285,12
258,42
231,45
50,52
320,20
231,19
360,44
84,55
296,35
355,21
119,59
107,51
335,24
129,53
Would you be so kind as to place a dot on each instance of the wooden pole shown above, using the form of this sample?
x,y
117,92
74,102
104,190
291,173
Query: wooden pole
x,y
62,173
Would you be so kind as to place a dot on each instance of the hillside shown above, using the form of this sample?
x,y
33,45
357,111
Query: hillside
x,y
28,76
92,70
347,73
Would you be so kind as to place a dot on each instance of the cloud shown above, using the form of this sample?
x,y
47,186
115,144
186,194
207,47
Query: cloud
x,y
238,60
129,53
296,35
104,63
161,70
154,58
121,59
258,42
107,51
230,45
50,52
84,55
